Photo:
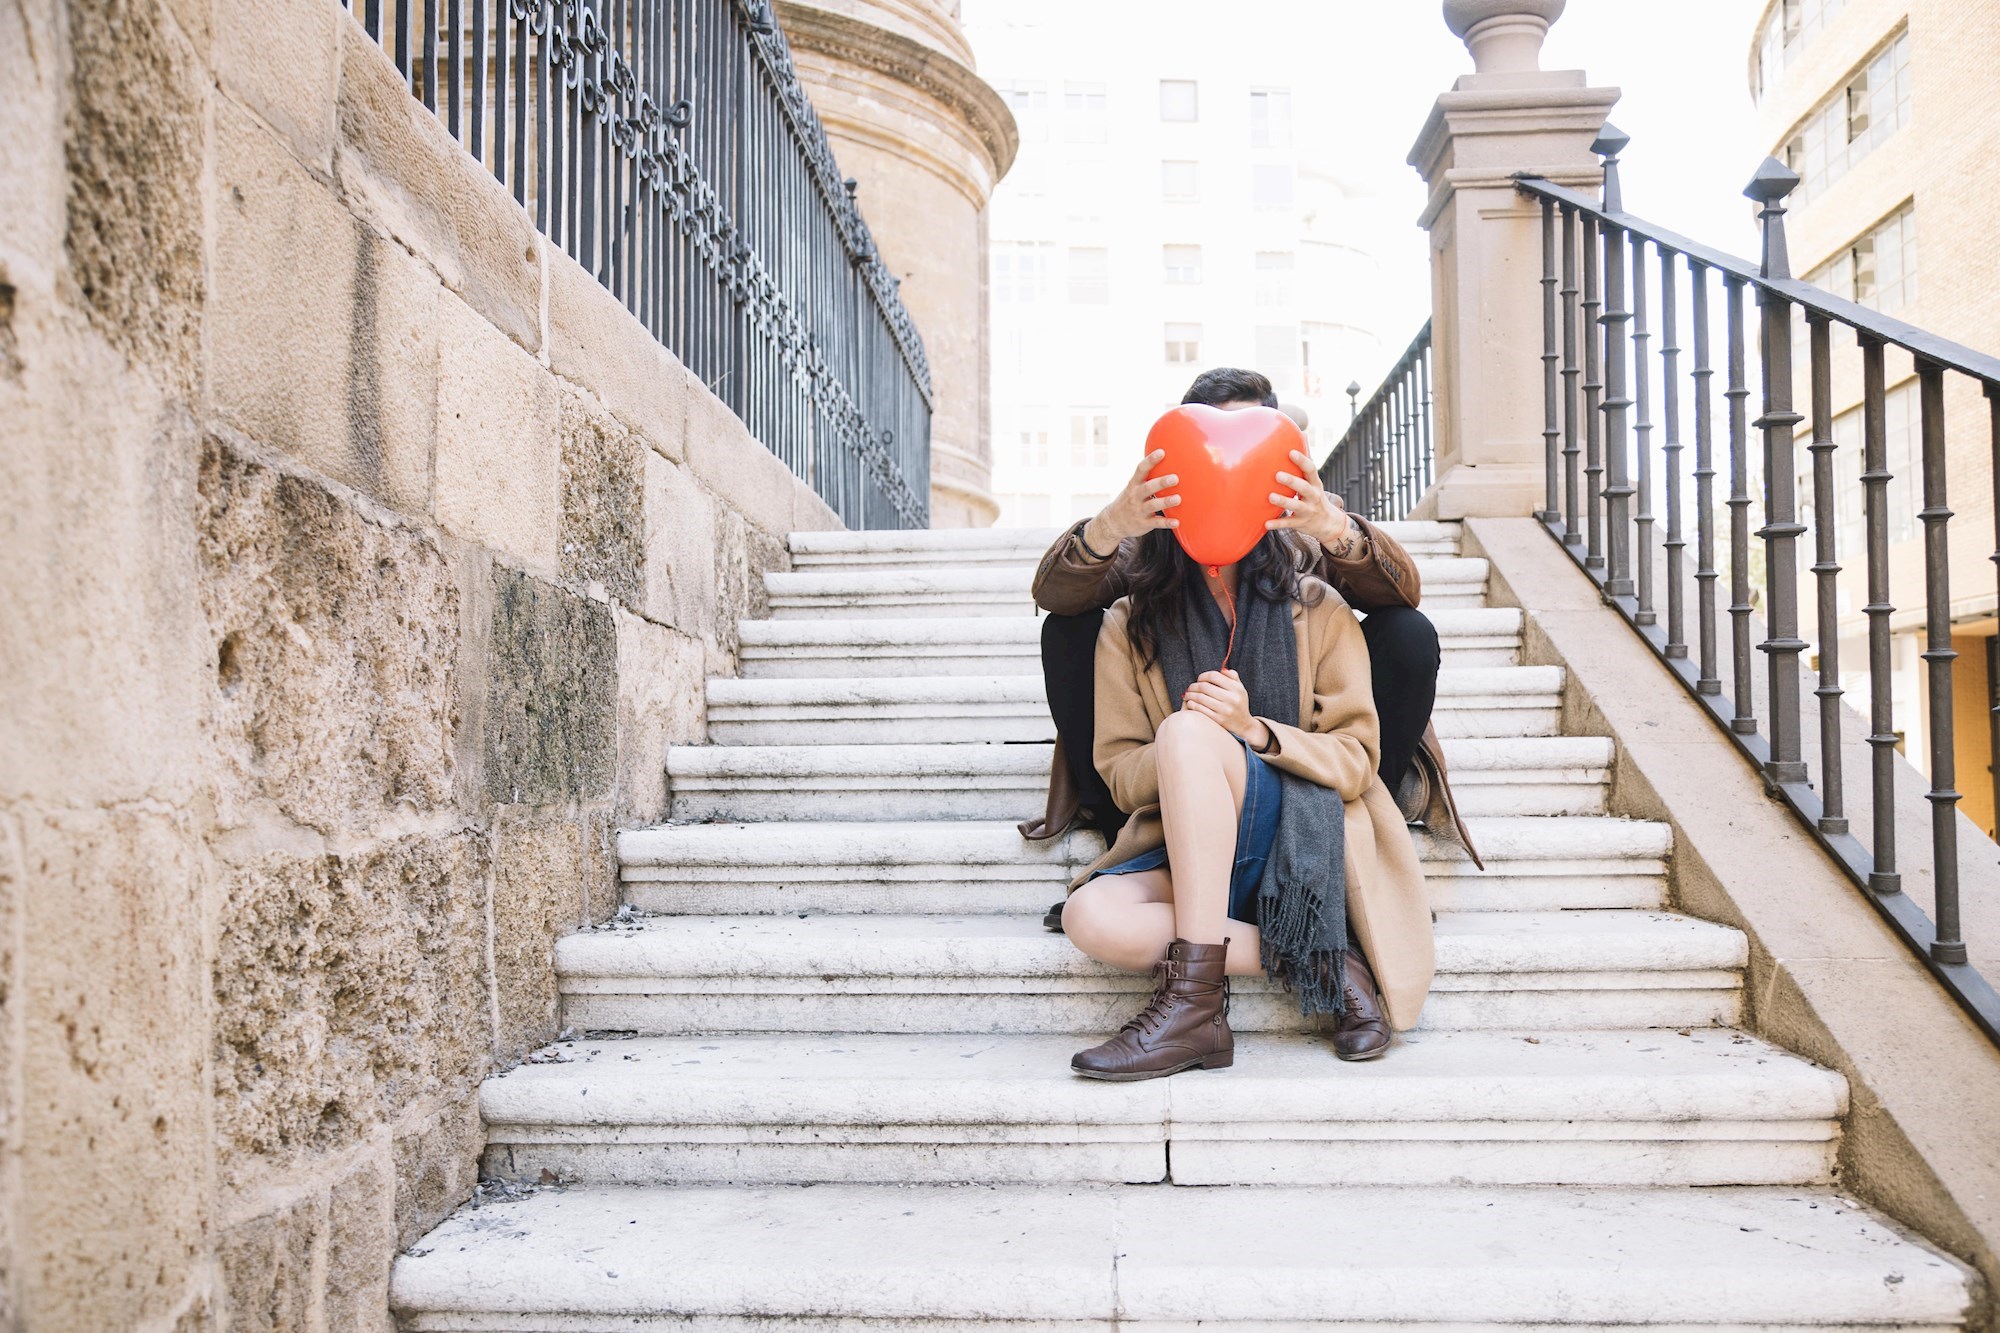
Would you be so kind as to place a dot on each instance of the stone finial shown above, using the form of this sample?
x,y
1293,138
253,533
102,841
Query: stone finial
x,y
1609,144
1772,184
1504,36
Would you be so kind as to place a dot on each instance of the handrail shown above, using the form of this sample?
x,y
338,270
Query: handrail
x,y
1384,462
669,148
1918,342
1598,396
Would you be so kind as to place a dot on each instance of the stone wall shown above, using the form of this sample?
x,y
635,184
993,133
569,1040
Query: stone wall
x,y
362,556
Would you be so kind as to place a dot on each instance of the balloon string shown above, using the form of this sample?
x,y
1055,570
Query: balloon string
x,y
1215,573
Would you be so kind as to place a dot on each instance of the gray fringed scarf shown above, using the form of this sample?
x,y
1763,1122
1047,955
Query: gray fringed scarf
x,y
1302,899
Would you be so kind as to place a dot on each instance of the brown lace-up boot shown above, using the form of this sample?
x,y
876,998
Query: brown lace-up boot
x,y
1186,1023
1362,1032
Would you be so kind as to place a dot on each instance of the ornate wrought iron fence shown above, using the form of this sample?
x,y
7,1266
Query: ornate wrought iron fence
x,y
1383,463
668,147
1599,323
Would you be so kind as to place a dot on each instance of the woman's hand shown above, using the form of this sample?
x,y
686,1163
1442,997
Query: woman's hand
x,y
1220,697
1312,509
1136,510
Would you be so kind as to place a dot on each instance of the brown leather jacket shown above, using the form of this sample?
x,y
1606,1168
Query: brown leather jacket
x,y
1378,573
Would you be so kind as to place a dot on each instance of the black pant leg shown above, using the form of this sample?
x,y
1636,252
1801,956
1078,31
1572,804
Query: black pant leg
x,y
1403,657
1069,672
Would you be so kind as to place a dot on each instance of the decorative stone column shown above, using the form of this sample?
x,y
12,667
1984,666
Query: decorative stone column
x,y
1509,116
927,139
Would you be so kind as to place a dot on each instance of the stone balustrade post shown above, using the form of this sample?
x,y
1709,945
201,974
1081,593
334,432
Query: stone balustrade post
x,y
1509,116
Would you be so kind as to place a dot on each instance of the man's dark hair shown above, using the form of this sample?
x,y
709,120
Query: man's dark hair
x,y
1227,384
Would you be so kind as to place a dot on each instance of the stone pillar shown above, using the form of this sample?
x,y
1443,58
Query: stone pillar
x,y
927,139
1486,249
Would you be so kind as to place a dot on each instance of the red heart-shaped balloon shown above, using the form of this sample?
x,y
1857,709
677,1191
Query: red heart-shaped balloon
x,y
1228,463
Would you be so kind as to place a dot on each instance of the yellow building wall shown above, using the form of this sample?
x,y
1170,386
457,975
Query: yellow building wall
x,y
1971,706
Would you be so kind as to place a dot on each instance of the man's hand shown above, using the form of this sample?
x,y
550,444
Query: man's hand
x,y
1311,509
1136,510
1220,697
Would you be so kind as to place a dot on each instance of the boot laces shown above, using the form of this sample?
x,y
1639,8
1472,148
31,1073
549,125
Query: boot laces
x,y
1149,1019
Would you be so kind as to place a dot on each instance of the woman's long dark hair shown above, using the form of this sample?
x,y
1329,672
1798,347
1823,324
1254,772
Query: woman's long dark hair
x,y
1275,570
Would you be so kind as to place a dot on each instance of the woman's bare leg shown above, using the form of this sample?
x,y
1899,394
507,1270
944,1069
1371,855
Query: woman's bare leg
x,y
1202,776
1128,922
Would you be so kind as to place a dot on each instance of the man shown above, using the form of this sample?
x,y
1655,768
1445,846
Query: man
x,y
1085,572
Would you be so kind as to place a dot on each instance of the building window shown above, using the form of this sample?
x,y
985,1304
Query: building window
x,y
1021,272
1089,276
1792,24
1028,99
1274,277
1084,113
1271,118
1031,437
1271,186
1179,100
1089,437
1183,263
1180,182
1183,344
1879,268
1869,107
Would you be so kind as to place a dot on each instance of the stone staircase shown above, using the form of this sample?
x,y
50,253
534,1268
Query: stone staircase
x,y
823,1081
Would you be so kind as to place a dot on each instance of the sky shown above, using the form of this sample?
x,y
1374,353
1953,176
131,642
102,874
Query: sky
x,y
1685,104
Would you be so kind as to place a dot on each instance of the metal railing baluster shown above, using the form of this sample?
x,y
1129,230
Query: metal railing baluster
x,y
1705,572
1826,575
1938,656
1780,532
1642,438
1551,376
1572,448
1883,877
1593,398
1675,544
1745,720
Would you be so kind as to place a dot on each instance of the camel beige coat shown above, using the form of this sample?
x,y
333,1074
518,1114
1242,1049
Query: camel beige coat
x,y
1336,747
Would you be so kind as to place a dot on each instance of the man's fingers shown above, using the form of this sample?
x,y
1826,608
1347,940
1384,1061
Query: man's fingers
x,y
1299,484
1159,502
1147,464
1158,484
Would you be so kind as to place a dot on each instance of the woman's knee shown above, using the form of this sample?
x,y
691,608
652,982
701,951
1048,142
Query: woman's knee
x,y
1190,735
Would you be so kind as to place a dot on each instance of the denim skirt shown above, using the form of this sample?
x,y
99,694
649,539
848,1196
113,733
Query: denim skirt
x,y
1256,830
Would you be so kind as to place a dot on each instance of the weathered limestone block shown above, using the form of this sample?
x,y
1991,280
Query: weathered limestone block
x,y
347,990
279,58
334,639
437,1164
661,677
268,1267
400,168
360,1244
499,443
114,1209
321,335
551,699
680,549
599,344
134,146
602,892
32,106
102,659
603,501
538,894
743,552
730,462
13,873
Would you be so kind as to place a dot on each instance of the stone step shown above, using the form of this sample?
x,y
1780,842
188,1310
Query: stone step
x,y
1140,1259
1449,581
1531,971
1542,775
1713,1107
975,867
965,547
940,710
1011,645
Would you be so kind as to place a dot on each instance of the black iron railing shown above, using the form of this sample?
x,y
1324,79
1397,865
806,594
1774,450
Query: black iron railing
x,y
1599,322
668,147
1384,462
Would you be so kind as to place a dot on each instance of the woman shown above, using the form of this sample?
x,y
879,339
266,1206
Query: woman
x,y
1236,723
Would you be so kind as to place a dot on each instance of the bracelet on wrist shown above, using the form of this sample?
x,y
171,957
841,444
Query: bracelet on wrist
x,y
1100,559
